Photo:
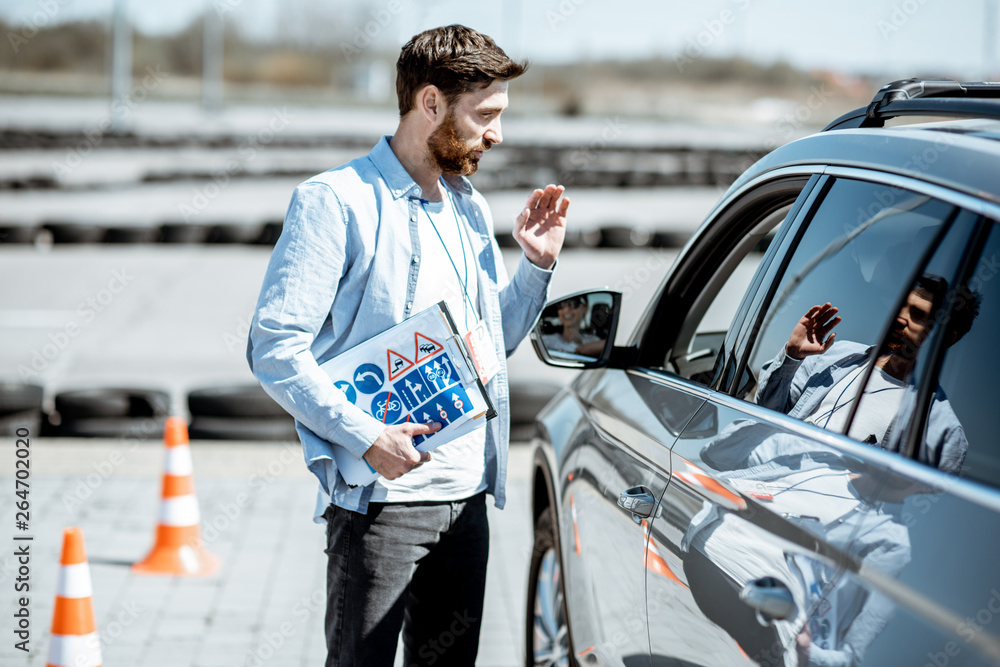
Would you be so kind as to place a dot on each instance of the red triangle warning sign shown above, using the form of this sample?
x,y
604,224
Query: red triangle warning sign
x,y
398,364
425,347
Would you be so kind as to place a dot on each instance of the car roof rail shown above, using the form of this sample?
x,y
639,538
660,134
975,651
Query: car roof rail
x,y
925,97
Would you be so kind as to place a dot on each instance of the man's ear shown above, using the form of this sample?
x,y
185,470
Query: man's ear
x,y
431,103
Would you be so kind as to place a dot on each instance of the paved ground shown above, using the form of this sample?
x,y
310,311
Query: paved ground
x,y
264,607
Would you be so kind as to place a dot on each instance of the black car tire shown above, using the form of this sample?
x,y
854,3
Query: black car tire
x,y
541,577
130,428
15,397
248,400
111,402
243,428
14,424
68,232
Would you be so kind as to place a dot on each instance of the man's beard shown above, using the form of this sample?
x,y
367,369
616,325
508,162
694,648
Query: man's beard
x,y
450,153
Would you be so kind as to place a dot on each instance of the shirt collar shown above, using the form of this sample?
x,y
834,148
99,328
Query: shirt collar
x,y
399,181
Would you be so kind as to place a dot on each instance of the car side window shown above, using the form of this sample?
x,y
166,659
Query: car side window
x,y
900,371
962,420
843,283
696,350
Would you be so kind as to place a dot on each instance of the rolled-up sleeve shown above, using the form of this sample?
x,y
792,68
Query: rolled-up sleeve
x,y
296,298
521,301
775,386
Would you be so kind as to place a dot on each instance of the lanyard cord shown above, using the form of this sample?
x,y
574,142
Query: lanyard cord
x,y
836,403
461,241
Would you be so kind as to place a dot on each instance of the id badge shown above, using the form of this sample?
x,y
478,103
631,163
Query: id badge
x,y
482,351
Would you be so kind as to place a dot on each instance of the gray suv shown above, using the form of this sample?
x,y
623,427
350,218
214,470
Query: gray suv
x,y
795,458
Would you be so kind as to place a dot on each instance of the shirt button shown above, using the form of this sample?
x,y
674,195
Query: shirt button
x,y
409,304
416,260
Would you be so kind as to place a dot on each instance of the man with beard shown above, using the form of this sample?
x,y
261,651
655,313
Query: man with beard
x,y
818,379
364,247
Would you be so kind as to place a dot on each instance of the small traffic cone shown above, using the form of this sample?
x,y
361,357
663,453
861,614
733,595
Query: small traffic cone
x,y
178,548
74,641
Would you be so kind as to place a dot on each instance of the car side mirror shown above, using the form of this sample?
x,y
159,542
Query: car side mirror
x,y
578,331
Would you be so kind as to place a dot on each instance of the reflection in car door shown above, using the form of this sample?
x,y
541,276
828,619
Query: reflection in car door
x,y
921,585
762,509
625,447
741,511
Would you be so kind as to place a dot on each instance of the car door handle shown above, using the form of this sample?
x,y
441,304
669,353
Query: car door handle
x,y
770,598
637,500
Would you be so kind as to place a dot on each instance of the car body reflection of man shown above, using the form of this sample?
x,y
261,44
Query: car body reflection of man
x,y
816,378
572,314
820,490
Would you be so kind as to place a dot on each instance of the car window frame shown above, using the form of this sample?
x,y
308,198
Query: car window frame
x,y
977,238
750,326
718,238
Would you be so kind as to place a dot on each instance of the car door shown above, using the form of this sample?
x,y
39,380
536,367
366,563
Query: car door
x,y
620,467
921,585
708,285
749,519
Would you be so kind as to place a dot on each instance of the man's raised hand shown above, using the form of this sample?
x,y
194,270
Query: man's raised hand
x,y
541,226
393,453
810,334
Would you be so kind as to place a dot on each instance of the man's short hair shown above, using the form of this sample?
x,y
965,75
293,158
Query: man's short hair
x,y
453,58
965,304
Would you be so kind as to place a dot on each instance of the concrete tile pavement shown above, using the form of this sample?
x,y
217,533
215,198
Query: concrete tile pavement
x,y
266,604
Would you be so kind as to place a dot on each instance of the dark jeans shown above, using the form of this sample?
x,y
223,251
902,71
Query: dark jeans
x,y
419,567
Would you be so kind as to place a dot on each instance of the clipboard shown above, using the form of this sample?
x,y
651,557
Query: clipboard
x,y
419,370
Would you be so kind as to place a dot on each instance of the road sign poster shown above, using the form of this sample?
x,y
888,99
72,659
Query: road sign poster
x,y
416,371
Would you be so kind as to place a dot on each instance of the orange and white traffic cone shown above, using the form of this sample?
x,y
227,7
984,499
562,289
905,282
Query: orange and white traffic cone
x,y
178,548
74,641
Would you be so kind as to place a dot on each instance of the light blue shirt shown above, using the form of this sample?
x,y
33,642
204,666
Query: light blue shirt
x,y
345,269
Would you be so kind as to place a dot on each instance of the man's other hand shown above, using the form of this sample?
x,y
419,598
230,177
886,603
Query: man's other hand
x,y
810,335
393,454
541,227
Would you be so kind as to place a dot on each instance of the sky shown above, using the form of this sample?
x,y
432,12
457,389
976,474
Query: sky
x,y
953,37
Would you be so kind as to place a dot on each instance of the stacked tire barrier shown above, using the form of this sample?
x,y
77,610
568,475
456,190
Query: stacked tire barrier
x,y
170,233
241,412
108,413
20,407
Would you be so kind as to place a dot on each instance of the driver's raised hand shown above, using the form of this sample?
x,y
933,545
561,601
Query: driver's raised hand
x,y
393,453
810,334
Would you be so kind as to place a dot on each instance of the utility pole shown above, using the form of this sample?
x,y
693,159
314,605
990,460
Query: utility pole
x,y
121,66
